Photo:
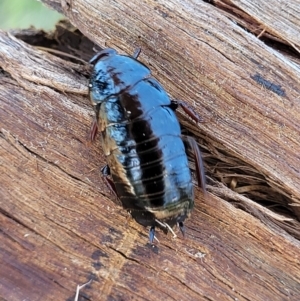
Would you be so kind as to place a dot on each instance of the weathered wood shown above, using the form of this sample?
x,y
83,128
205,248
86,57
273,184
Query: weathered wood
x,y
59,225
248,90
272,19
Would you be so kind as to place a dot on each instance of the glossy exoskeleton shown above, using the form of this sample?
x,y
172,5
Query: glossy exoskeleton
x,y
142,141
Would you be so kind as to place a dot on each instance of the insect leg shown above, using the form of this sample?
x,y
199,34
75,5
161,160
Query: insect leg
x,y
198,161
152,234
182,228
108,182
94,126
136,53
186,108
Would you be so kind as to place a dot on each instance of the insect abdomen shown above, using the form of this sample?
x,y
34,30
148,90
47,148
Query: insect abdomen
x,y
145,151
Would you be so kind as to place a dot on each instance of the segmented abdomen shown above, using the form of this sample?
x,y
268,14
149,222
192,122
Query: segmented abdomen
x,y
145,151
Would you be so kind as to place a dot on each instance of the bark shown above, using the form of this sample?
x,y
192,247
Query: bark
x,y
237,64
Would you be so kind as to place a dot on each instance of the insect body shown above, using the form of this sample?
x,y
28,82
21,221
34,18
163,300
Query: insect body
x,y
142,141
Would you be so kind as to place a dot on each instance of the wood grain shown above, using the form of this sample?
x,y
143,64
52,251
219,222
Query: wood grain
x,y
248,90
280,19
59,224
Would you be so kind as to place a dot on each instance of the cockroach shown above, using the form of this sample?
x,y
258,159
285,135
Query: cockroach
x,y
147,166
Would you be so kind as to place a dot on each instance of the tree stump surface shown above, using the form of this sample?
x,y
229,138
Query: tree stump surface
x,y
237,63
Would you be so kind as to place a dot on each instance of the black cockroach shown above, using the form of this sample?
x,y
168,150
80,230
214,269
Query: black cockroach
x,y
142,141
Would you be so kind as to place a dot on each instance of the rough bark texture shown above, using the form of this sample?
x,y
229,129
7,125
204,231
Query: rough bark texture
x,y
237,63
